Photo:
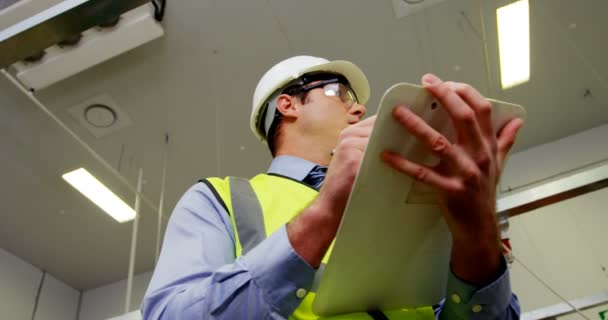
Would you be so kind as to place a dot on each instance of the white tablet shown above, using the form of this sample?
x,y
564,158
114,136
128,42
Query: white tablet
x,y
393,246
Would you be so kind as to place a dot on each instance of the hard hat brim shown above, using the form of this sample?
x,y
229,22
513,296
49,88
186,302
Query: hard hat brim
x,y
355,76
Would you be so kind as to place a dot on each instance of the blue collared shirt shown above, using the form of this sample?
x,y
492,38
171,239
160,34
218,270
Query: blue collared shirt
x,y
198,277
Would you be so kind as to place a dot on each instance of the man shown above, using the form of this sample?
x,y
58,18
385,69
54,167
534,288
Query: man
x,y
238,249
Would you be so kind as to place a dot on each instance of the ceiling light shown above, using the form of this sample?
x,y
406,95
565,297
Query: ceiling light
x,y
514,43
91,188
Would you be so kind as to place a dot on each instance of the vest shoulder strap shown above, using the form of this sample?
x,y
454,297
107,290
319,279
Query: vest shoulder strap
x,y
218,187
247,212
240,198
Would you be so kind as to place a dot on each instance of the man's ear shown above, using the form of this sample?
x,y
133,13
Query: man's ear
x,y
287,106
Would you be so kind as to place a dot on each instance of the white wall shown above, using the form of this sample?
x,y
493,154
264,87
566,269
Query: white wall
x,y
564,243
57,300
19,282
109,301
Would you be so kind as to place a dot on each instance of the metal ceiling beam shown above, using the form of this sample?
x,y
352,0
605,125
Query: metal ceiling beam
x,y
58,23
577,184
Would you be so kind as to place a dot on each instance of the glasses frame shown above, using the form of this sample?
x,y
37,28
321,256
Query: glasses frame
x,y
299,89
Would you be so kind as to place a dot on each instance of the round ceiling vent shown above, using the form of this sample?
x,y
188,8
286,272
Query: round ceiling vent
x,y
100,116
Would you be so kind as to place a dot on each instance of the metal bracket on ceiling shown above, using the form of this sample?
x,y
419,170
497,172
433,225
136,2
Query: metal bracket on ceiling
x,y
56,24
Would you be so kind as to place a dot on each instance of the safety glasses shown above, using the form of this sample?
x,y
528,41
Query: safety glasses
x,y
331,87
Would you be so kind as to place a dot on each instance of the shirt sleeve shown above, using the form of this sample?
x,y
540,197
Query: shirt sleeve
x,y
197,275
492,302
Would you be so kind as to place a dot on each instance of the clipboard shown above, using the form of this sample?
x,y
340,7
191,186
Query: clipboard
x,y
392,248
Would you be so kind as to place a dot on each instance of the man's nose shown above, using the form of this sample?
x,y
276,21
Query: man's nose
x,y
358,110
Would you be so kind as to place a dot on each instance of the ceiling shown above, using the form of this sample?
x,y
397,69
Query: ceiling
x,y
7,3
196,83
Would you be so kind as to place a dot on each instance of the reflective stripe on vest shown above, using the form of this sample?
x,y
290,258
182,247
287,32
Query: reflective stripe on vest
x,y
247,213
259,207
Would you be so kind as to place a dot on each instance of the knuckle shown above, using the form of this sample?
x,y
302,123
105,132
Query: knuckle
x,y
352,160
457,187
466,88
471,177
347,143
345,133
485,107
350,143
483,160
443,90
452,85
467,116
440,144
421,174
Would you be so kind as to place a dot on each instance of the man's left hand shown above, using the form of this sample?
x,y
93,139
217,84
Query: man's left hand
x,y
467,175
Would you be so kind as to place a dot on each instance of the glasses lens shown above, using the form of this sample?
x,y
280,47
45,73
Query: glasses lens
x,y
345,93
332,89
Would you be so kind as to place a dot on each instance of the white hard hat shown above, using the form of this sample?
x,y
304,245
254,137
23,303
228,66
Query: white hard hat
x,y
290,69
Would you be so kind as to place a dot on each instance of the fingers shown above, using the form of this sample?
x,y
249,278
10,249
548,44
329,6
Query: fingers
x,y
363,132
369,122
463,116
434,141
481,106
349,151
419,172
358,143
471,158
506,138
360,129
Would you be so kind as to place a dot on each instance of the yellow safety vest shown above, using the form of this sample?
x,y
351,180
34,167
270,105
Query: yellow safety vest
x,y
279,199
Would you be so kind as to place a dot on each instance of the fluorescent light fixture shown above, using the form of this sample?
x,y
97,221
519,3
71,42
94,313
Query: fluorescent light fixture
x,y
91,188
514,43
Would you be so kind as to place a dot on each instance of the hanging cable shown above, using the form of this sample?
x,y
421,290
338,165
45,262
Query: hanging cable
x,y
159,9
281,27
73,134
486,54
546,285
163,183
133,252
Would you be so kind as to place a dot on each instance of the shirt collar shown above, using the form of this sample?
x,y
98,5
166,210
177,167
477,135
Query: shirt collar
x,y
292,167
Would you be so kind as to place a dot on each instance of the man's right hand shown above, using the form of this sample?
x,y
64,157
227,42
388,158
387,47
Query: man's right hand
x,y
313,230
344,165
